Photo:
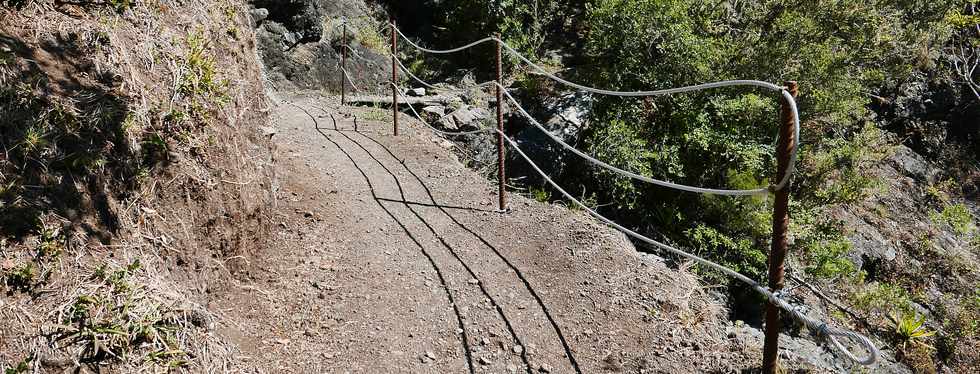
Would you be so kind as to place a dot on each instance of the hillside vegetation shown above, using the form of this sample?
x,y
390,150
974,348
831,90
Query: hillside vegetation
x,y
131,180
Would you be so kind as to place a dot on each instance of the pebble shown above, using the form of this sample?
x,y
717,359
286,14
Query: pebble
x,y
544,368
518,349
484,360
474,281
430,355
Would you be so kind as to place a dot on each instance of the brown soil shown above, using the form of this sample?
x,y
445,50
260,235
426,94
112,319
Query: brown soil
x,y
388,256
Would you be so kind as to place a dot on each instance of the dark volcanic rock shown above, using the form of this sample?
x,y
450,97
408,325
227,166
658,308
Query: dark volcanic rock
x,y
299,52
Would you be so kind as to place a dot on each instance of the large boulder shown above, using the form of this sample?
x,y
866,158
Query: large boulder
x,y
300,44
564,117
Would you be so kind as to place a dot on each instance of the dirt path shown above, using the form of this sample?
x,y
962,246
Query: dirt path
x,y
390,258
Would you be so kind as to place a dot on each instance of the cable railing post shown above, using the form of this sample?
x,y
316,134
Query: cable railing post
x,y
780,224
394,75
343,68
501,174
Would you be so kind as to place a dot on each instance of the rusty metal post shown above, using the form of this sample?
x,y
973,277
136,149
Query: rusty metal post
x,y
394,75
501,174
343,69
780,241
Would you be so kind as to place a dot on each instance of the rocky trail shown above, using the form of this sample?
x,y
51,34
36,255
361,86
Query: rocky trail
x,y
389,256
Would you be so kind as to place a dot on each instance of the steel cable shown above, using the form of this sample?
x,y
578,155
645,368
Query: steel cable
x,y
443,90
443,51
819,328
626,173
670,91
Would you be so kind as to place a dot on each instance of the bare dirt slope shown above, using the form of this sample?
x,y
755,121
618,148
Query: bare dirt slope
x,y
389,257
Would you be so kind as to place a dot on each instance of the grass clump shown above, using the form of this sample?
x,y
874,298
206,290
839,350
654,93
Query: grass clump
x,y
114,319
22,277
201,76
21,367
957,216
540,194
375,114
883,297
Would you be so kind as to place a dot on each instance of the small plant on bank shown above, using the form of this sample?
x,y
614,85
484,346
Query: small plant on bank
x,y
22,367
910,328
51,244
201,78
22,277
956,216
540,194
120,5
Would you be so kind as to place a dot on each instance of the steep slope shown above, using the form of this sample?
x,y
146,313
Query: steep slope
x,y
133,180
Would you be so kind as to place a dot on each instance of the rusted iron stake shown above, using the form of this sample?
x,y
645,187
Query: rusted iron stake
x,y
501,174
394,76
780,242
343,69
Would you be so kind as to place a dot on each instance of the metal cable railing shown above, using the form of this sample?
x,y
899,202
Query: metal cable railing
x,y
819,328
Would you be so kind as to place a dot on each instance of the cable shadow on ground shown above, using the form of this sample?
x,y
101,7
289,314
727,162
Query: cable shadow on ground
x,y
480,284
520,275
486,243
439,273
429,205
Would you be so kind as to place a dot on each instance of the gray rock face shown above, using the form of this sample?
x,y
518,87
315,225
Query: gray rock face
x,y
301,48
469,116
300,17
416,92
258,15
913,165
565,117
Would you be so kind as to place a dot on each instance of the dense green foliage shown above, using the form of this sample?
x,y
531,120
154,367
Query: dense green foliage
x,y
838,51
844,54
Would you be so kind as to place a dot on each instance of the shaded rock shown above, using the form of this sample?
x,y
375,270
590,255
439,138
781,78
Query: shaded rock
x,y
417,92
567,117
434,111
913,165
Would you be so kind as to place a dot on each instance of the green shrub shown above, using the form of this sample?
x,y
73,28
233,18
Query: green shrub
x,y
909,328
201,76
885,298
540,194
120,5
829,261
957,216
742,255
